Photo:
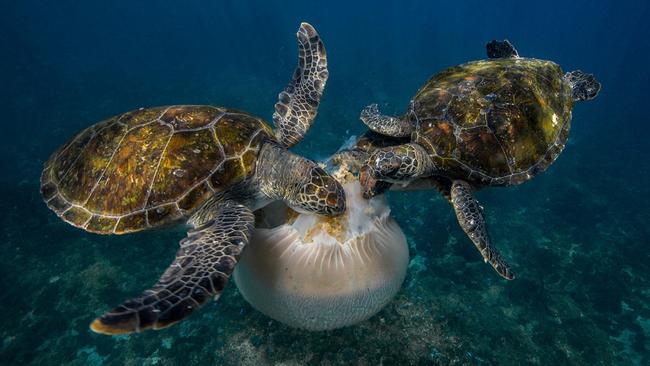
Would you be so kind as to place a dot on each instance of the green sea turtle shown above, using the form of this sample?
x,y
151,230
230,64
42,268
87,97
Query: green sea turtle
x,y
209,167
494,122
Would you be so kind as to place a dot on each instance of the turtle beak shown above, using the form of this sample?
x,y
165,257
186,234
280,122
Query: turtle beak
x,y
321,194
334,196
328,192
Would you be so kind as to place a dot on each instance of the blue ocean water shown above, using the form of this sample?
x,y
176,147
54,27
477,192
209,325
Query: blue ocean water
x,y
577,235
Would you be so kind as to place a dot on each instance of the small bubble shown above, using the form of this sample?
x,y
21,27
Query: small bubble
x,y
54,279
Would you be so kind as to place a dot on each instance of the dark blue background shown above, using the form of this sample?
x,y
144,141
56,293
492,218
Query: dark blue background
x,y
67,64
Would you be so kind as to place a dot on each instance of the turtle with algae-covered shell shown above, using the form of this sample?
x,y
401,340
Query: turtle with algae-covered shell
x,y
494,122
209,167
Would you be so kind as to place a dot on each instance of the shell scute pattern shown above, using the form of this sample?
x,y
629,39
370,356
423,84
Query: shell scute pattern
x,y
496,122
77,215
190,117
160,215
141,116
150,166
189,157
61,161
132,222
244,134
101,224
89,163
120,190
195,197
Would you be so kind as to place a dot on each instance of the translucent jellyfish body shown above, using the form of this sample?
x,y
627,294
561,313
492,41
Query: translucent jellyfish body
x,y
320,273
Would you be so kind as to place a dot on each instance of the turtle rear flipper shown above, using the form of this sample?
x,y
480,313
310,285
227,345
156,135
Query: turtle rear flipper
x,y
298,103
583,86
501,49
470,217
200,271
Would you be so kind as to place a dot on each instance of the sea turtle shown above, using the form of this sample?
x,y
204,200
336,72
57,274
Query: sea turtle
x,y
209,167
494,122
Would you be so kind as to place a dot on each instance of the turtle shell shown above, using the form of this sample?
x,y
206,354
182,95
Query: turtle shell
x,y
151,166
494,122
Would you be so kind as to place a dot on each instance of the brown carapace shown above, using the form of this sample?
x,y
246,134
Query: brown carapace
x,y
150,167
494,122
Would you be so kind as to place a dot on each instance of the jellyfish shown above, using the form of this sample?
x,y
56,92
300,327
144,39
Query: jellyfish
x,y
319,273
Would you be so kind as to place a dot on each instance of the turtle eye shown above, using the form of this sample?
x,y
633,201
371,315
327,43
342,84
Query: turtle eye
x,y
322,194
333,195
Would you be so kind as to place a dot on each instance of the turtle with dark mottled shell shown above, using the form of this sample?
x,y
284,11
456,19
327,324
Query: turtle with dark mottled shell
x,y
209,167
494,122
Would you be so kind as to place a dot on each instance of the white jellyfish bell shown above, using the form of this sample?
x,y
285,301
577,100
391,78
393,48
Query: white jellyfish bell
x,y
319,273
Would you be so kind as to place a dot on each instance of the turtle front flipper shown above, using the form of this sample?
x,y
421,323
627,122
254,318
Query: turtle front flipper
x,y
353,159
385,125
200,271
501,49
298,103
470,217
396,164
356,154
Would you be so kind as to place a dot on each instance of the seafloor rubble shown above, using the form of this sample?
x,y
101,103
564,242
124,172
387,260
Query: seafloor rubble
x,y
576,237
579,297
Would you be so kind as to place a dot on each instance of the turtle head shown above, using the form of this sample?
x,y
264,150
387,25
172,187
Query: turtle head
x,y
319,193
299,182
583,86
